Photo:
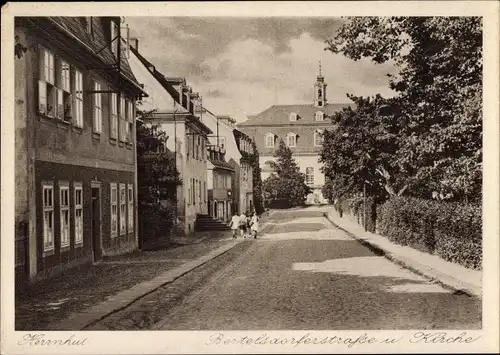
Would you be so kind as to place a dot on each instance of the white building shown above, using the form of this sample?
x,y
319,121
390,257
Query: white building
x,y
174,103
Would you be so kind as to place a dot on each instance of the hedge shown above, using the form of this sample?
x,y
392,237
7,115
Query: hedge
x,y
155,222
451,230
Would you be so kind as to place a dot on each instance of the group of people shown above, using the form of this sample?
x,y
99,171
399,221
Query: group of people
x,y
248,226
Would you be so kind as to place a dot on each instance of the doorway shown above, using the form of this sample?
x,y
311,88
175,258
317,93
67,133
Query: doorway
x,y
96,223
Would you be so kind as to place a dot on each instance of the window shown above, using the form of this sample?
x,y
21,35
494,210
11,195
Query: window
x,y
319,116
193,191
123,119
130,201
97,108
64,213
78,98
269,140
113,115
78,214
204,191
114,40
130,120
189,192
291,139
293,116
309,176
318,138
48,216
200,200
114,210
46,84
122,209
64,90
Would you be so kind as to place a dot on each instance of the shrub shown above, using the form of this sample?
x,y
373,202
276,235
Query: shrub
x,y
451,230
155,221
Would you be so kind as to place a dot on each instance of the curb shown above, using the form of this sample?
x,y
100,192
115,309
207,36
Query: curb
x,y
446,281
123,299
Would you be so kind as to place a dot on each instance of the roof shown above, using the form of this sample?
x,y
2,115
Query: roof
x,y
96,43
164,81
221,164
280,114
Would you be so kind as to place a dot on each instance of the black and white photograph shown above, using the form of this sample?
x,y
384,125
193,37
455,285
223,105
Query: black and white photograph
x,y
190,180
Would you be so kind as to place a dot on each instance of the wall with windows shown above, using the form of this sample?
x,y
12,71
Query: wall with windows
x,y
66,138
300,138
72,121
64,218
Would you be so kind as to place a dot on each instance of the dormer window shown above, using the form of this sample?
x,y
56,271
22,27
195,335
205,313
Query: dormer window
x,y
269,140
293,116
320,116
114,39
291,139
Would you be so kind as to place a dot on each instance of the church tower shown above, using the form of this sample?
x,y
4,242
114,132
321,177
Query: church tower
x,y
320,90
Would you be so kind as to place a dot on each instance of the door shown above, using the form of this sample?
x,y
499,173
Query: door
x,y
96,224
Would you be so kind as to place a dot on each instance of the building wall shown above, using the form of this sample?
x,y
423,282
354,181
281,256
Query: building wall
x,y
232,154
52,149
25,207
305,138
56,173
194,169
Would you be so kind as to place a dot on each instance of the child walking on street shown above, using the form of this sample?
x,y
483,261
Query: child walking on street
x,y
235,224
254,223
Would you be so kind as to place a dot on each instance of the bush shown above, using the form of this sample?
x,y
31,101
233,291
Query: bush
x,y
451,230
155,221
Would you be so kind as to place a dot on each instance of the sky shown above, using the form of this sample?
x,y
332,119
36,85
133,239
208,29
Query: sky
x,y
241,66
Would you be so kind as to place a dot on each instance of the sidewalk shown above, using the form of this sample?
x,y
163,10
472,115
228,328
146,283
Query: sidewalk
x,y
448,274
67,301
83,295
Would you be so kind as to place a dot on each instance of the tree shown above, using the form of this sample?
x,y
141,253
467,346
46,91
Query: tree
x,y
432,127
287,185
157,178
257,181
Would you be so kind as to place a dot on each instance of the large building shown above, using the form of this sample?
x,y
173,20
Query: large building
x,y
75,148
300,127
172,104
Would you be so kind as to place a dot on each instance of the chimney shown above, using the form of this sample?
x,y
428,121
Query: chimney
x,y
135,43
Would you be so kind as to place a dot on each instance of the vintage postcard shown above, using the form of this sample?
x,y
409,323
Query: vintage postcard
x,y
250,177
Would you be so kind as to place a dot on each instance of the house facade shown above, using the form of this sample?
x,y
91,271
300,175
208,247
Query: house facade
x,y
300,127
75,148
245,146
219,184
173,103
222,128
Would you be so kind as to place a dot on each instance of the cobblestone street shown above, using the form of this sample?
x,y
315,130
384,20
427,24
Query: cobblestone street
x,y
301,274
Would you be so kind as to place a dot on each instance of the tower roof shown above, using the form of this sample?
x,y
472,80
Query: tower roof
x,y
320,77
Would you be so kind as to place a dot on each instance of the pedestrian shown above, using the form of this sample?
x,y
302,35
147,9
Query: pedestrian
x,y
254,223
235,224
243,224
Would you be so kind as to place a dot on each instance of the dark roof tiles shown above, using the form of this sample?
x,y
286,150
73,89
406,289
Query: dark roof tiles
x,y
280,114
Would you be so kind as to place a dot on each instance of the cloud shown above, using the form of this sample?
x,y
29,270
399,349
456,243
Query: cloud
x,y
241,66
215,93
